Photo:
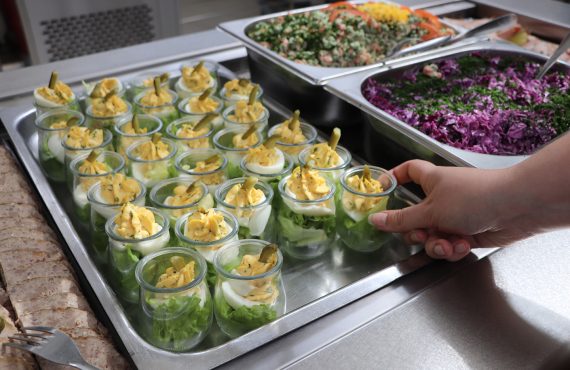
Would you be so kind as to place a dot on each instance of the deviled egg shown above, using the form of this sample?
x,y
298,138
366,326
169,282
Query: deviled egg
x,y
133,129
247,112
238,89
266,159
189,134
107,111
235,144
196,78
134,233
88,170
55,95
294,135
249,292
205,165
100,89
196,107
144,81
159,102
250,202
327,157
152,160
365,190
306,217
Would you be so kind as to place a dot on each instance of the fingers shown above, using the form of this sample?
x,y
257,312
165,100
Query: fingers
x,y
416,237
401,220
412,171
451,248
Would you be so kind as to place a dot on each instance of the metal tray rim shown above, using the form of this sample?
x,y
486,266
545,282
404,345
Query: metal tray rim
x,y
313,74
348,89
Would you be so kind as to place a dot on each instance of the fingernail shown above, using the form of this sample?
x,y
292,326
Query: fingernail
x,y
460,248
438,250
378,219
415,237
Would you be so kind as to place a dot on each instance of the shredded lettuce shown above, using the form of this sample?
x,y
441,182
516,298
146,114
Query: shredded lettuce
x,y
304,230
244,319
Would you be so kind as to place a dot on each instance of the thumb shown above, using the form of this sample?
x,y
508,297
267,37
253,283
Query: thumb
x,y
401,220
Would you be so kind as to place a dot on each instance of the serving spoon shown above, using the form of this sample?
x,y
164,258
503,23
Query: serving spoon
x,y
494,25
564,45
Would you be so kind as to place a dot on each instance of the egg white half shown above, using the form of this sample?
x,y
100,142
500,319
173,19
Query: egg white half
x,y
327,209
80,196
55,147
234,299
275,168
208,253
185,92
43,102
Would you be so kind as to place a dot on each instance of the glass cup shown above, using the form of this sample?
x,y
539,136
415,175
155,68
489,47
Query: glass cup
x,y
143,81
203,141
305,228
106,122
150,172
83,182
51,153
165,189
174,319
273,178
261,123
120,92
351,222
207,249
165,112
293,150
72,105
73,152
255,222
231,100
235,313
223,142
185,112
333,173
123,140
125,253
186,163
184,92
101,211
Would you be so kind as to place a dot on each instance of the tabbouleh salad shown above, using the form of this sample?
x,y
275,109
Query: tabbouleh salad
x,y
481,103
346,35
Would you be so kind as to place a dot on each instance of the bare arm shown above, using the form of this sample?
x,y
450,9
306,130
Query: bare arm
x,y
466,207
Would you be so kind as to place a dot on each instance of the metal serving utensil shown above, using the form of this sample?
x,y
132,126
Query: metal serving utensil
x,y
51,344
564,45
494,25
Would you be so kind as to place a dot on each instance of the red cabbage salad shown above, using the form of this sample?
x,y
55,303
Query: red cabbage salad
x,y
484,104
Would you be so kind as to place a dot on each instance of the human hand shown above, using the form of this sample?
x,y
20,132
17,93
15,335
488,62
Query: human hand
x,y
464,208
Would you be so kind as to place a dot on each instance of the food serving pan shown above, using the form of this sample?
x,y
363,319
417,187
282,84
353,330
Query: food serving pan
x,y
298,84
388,131
313,288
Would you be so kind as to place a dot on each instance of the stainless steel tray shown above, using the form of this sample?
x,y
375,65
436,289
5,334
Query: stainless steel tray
x,y
385,126
314,75
335,280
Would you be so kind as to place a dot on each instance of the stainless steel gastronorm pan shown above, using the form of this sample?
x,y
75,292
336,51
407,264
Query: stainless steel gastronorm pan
x,y
298,85
387,130
313,288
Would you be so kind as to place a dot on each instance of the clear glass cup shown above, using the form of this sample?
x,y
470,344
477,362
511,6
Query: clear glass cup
x,y
72,105
165,189
235,313
262,122
184,144
108,123
186,163
232,99
333,173
83,182
51,153
143,81
73,152
310,133
207,249
184,92
120,92
273,178
223,142
165,112
123,140
352,223
174,319
101,211
185,112
125,253
306,228
255,222
153,171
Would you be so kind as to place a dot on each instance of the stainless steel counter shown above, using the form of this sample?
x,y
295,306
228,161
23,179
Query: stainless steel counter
x,y
509,310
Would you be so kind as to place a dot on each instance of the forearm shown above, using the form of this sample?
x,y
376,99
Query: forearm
x,y
540,187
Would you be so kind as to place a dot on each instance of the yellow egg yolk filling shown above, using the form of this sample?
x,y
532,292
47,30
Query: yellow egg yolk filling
x,y
264,289
238,88
207,105
196,78
151,99
206,226
60,94
307,184
113,106
178,275
134,222
323,156
83,137
247,113
119,189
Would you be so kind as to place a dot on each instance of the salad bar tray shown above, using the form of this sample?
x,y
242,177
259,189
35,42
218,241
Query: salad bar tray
x,y
313,288
389,131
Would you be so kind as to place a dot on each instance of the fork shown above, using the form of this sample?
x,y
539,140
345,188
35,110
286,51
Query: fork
x,y
51,344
